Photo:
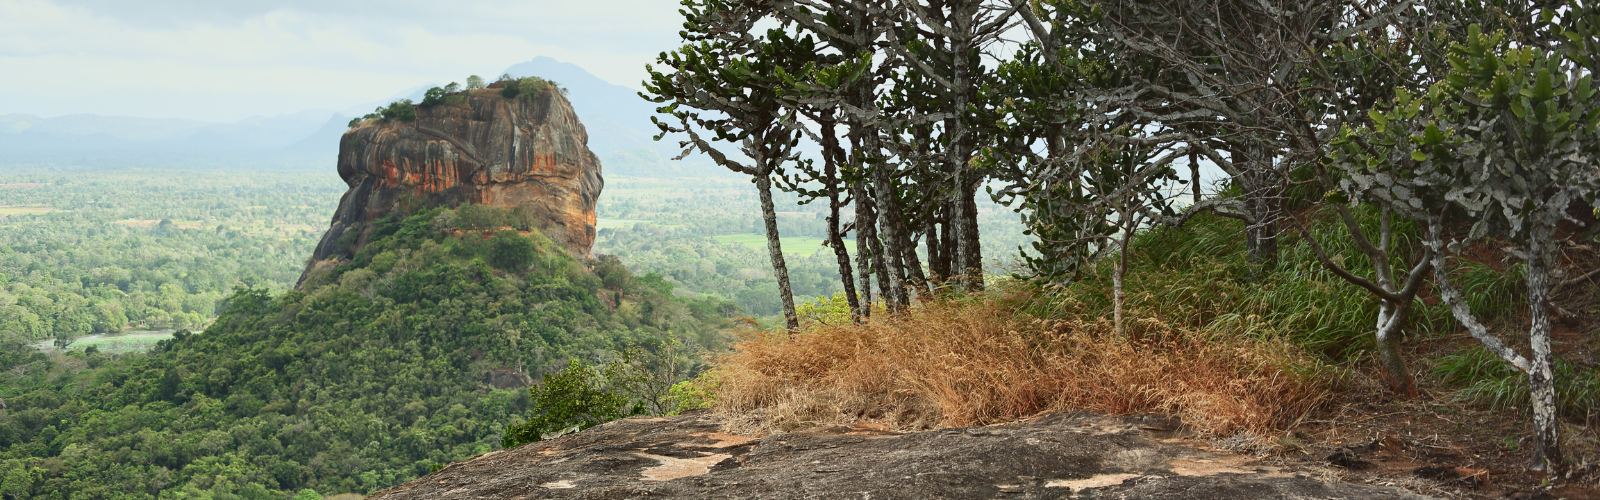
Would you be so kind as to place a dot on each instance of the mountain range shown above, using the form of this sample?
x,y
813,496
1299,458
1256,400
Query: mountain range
x,y
616,117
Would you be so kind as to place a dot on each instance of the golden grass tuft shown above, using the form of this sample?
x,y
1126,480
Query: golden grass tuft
x,y
986,359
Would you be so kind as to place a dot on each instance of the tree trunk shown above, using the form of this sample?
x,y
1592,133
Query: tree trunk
x,y
967,266
1118,297
831,156
913,263
970,244
1194,175
769,216
888,208
930,230
864,234
1541,375
1391,318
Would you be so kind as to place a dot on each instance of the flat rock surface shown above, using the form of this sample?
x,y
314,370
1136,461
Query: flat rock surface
x,y
1058,456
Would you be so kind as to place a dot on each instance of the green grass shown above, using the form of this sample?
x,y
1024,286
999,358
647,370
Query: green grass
x,y
799,245
25,210
604,223
124,343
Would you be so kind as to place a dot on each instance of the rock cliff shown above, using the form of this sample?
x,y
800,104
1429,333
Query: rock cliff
x,y
529,152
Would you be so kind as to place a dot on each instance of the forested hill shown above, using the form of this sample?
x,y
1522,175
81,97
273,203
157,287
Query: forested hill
x,y
371,376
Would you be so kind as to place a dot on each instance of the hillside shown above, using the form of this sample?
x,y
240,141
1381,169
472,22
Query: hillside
x,y
368,378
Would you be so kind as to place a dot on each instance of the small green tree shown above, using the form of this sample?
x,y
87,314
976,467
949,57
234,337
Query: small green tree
x,y
574,399
1509,140
510,251
433,96
474,82
307,494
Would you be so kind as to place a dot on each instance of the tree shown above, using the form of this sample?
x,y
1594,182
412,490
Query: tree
x,y
942,42
1510,140
723,87
474,82
572,400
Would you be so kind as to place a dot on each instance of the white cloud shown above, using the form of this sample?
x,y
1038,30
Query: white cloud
x,y
223,61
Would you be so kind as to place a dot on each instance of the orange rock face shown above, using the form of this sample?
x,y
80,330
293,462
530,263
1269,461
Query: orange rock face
x,y
527,152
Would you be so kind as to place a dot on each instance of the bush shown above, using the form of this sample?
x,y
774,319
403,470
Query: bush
x,y
574,399
402,110
511,251
532,86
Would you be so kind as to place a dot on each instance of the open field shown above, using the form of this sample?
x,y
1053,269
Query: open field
x,y
136,341
799,244
25,210
605,223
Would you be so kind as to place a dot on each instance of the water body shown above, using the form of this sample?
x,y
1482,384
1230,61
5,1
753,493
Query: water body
x,y
132,341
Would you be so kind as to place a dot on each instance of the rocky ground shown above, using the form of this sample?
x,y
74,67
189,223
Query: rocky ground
x,y
1055,456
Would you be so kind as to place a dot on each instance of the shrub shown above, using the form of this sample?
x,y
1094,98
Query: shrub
x,y
402,110
574,399
433,96
1012,353
510,251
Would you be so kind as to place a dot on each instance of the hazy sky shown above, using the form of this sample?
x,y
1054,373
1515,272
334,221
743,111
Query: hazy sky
x,y
225,60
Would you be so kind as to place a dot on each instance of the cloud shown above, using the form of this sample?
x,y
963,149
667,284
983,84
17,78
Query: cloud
x,y
229,60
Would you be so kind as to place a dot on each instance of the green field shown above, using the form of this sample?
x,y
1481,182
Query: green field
x,y
125,343
604,223
25,210
797,245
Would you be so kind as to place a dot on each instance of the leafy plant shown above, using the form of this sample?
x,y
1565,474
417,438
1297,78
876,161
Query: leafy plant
x,y
572,400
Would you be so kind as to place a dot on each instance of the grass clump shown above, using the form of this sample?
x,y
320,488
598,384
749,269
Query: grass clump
x,y
1012,353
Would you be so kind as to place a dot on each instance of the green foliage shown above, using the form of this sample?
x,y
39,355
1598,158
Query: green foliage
x,y
449,94
1487,380
307,494
572,400
531,87
510,251
368,378
1200,273
474,82
402,110
101,263
690,395
694,235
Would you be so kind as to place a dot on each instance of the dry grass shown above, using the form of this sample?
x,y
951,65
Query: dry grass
x,y
988,359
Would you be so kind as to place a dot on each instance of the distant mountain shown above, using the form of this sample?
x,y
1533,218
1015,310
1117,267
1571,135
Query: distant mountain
x,y
94,140
617,119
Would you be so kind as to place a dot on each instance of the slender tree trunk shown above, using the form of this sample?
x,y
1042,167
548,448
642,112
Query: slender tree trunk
x,y
1541,375
879,266
864,234
1194,175
888,208
913,263
968,266
769,216
831,156
1118,295
930,229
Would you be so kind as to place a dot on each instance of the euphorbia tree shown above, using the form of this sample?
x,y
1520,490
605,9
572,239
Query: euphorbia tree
x,y
723,86
1509,139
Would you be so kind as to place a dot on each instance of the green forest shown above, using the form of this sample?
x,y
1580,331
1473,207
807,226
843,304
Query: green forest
x,y
704,236
375,374
105,251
